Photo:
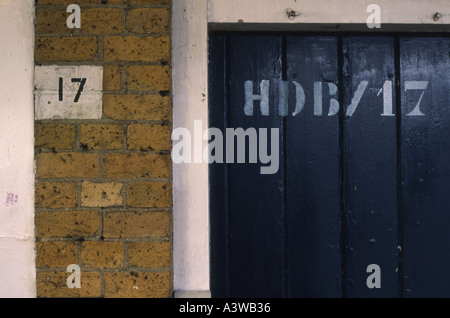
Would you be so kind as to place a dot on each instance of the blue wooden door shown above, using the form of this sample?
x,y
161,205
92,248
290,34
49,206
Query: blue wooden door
x,y
335,159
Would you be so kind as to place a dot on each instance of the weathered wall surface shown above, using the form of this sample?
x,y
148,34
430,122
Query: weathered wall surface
x,y
17,271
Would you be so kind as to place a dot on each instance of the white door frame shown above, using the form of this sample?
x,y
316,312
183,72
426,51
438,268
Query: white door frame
x,y
191,20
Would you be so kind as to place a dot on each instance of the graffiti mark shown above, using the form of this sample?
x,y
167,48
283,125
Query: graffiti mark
x,y
11,199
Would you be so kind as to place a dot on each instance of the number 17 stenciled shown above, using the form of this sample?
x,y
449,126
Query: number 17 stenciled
x,y
82,82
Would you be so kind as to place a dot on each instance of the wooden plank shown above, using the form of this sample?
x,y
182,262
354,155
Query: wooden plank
x,y
218,186
189,37
312,14
256,200
313,177
370,166
426,166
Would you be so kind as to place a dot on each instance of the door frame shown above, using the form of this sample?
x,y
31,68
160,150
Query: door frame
x,y
191,22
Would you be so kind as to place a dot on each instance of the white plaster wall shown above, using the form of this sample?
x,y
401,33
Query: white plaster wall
x,y
17,255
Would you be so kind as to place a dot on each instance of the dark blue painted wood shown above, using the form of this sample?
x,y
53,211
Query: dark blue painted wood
x,y
218,189
283,235
256,201
313,177
426,167
370,165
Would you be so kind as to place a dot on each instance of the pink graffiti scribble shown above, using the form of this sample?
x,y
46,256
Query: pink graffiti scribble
x,y
11,199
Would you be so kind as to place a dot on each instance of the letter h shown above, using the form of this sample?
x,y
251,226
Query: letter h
x,y
250,98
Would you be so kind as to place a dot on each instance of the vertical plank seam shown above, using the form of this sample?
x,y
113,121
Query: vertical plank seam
x,y
398,112
343,236
227,56
285,174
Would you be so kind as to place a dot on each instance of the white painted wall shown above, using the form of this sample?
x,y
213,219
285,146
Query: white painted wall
x,y
47,102
17,255
190,181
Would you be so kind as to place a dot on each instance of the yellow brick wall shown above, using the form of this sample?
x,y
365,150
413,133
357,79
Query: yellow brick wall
x,y
103,193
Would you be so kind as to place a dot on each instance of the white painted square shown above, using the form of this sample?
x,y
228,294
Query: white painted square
x,y
48,92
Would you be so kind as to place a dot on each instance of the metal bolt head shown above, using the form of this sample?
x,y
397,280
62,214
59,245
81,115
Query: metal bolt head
x,y
291,14
436,16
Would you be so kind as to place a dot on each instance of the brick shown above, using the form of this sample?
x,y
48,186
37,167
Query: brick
x,y
101,136
65,2
149,195
55,195
67,165
55,136
134,48
152,2
135,165
101,21
101,194
137,107
136,225
80,2
150,254
65,49
48,105
51,21
137,285
72,224
54,284
102,254
93,21
56,254
151,137
111,78
148,20
148,77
